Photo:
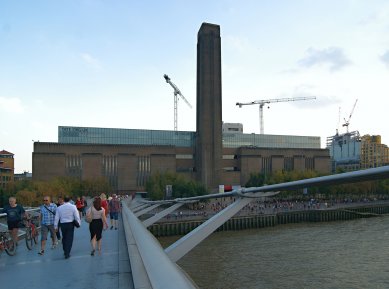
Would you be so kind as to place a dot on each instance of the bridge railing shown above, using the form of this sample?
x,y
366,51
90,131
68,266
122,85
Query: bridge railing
x,y
156,267
3,221
151,267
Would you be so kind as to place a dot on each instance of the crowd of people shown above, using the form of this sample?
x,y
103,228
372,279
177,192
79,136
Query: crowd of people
x,y
60,218
201,210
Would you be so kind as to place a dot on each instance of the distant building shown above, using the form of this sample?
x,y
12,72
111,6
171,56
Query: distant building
x,y
350,151
345,151
128,157
6,168
23,176
373,152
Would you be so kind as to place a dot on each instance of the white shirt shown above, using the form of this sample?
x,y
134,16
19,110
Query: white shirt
x,y
66,213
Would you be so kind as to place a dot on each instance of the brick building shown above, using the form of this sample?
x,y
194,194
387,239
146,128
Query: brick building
x,y
6,168
127,157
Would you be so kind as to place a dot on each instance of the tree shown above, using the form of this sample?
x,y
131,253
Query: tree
x,y
92,187
27,198
182,187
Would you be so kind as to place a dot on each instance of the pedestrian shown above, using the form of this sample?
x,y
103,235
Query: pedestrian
x,y
85,205
79,205
66,216
104,203
47,215
15,214
99,221
59,203
114,209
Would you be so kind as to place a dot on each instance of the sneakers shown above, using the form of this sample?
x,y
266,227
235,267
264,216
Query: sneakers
x,y
41,252
53,246
111,227
92,253
116,228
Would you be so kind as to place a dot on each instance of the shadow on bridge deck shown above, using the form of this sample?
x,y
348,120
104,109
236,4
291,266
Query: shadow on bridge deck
x,y
111,269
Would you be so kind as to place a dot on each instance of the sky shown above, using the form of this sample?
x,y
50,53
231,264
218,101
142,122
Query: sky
x,y
98,63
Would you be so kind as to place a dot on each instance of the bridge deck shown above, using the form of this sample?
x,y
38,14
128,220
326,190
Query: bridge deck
x,y
111,269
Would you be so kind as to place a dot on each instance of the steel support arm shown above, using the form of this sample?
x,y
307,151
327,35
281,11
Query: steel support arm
x,y
162,214
146,210
181,247
138,208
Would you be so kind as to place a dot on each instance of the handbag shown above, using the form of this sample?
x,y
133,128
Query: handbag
x,y
76,224
88,216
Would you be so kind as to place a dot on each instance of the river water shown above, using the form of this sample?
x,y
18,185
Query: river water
x,y
349,254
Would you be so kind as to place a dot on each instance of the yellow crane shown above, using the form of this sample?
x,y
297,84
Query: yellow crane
x,y
263,102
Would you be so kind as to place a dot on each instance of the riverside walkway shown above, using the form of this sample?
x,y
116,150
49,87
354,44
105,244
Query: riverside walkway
x,y
111,269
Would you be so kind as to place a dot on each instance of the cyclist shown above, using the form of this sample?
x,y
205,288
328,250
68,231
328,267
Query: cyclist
x,y
15,214
47,214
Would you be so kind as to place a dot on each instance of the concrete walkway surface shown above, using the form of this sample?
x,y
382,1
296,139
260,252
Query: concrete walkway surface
x,y
110,269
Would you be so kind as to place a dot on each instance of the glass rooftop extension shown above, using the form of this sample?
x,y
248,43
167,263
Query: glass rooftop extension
x,y
94,135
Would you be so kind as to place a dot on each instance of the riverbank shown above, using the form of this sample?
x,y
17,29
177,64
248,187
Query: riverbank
x,y
182,227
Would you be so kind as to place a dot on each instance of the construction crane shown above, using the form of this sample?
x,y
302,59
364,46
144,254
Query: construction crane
x,y
347,122
266,101
177,93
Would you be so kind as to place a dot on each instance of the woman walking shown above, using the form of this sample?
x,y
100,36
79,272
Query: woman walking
x,y
99,221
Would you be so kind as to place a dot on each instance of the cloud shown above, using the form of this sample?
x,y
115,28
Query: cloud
x,y
91,61
385,58
332,56
11,104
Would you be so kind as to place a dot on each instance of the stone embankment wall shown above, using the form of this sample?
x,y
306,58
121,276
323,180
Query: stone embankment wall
x,y
181,227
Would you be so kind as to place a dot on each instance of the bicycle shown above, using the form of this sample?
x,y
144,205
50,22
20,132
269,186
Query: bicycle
x,y
7,244
31,232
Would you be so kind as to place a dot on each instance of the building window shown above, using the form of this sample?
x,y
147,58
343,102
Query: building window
x,y
73,165
288,164
266,165
144,170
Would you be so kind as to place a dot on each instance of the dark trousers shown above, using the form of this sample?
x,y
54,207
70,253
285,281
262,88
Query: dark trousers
x,y
58,235
67,230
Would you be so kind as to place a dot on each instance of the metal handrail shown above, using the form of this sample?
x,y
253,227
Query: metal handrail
x,y
22,232
33,209
161,271
256,192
